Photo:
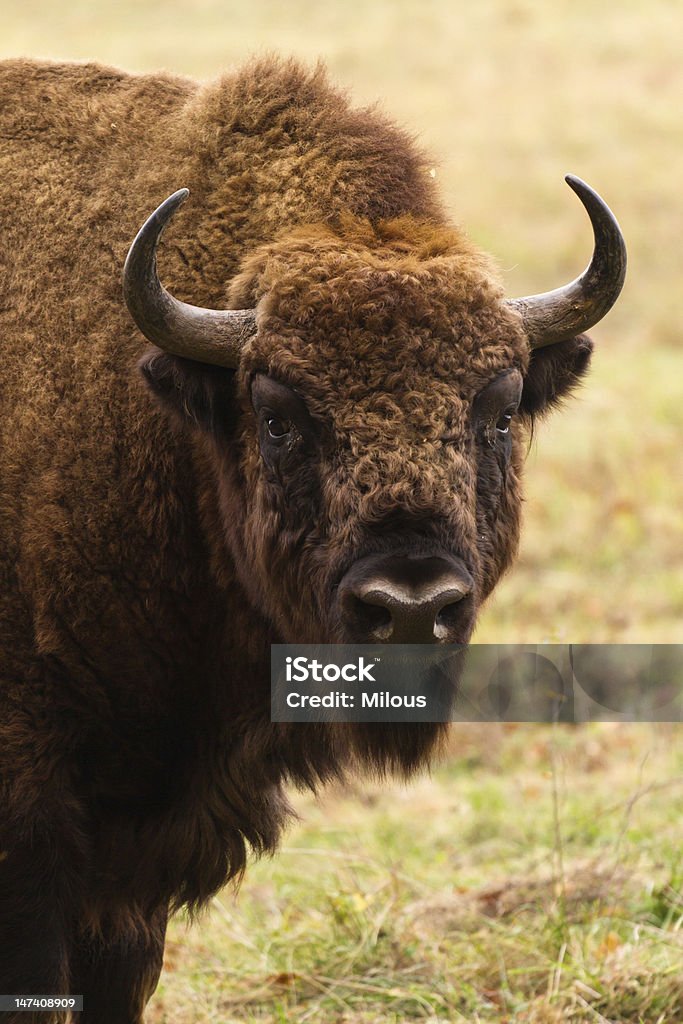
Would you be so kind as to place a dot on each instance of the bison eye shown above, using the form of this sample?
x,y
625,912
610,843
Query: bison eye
x,y
499,429
277,428
503,423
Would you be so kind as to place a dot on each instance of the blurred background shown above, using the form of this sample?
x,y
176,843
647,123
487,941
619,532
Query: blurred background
x,y
536,876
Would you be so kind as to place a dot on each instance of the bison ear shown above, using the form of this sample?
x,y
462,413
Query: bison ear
x,y
200,394
554,371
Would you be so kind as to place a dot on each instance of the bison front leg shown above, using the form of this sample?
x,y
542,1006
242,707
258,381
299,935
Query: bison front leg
x,y
117,971
35,904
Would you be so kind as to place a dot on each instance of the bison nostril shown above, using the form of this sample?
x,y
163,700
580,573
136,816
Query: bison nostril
x,y
374,619
448,617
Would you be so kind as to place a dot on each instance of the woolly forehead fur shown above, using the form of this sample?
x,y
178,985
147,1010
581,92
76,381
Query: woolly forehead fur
x,y
397,317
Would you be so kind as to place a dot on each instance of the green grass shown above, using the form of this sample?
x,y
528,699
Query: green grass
x,y
536,876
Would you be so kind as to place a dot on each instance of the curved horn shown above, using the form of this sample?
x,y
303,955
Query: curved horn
x,y
207,335
568,311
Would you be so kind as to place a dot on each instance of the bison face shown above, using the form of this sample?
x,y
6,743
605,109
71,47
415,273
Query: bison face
x,y
390,509
368,447
378,460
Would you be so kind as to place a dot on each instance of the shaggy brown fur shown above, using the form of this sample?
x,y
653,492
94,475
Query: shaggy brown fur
x,y
148,561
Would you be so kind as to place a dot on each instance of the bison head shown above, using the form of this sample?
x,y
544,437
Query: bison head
x,y
365,406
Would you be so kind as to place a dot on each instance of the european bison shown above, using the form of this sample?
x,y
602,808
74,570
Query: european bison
x,y
327,447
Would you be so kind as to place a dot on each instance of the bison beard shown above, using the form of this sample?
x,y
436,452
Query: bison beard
x,y
345,449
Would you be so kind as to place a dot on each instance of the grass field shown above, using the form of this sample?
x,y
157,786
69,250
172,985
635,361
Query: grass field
x,y
536,875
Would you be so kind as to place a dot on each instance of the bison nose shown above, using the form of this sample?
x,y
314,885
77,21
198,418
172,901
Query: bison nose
x,y
407,600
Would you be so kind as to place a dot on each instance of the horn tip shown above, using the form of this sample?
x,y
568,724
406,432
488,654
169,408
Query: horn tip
x,y
577,184
167,209
177,198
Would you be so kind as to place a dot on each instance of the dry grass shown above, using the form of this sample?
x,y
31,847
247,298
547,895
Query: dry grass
x,y
536,877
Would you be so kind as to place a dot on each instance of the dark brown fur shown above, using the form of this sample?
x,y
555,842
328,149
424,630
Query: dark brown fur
x,y
148,561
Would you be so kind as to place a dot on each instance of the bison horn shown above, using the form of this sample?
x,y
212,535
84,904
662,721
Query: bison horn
x,y
207,335
568,311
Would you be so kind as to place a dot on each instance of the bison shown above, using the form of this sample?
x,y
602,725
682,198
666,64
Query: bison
x,y
326,446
